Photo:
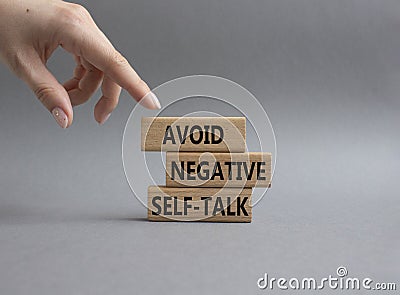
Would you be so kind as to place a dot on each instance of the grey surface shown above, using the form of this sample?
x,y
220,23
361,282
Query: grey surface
x,y
328,73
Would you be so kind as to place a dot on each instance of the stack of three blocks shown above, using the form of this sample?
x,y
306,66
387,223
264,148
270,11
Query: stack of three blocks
x,y
209,174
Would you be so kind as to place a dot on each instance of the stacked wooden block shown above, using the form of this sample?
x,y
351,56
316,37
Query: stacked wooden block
x,y
209,174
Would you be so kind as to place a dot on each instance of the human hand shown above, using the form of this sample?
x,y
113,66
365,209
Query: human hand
x,y
31,30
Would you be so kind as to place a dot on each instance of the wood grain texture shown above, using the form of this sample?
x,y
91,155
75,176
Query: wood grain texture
x,y
193,134
218,169
199,204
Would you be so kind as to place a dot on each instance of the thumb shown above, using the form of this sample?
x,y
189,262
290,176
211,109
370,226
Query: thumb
x,y
48,90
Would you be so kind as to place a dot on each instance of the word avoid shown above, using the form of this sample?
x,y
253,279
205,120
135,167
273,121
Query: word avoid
x,y
218,169
199,204
223,134
196,134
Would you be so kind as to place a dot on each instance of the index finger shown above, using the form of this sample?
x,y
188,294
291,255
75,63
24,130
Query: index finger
x,y
94,46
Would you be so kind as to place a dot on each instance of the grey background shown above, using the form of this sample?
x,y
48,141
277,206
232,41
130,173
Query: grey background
x,y
327,72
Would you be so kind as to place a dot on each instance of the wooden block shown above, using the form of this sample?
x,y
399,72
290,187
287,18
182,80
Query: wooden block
x,y
199,204
220,134
218,169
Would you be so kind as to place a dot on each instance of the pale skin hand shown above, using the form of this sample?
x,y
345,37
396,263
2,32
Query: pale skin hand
x,y
30,31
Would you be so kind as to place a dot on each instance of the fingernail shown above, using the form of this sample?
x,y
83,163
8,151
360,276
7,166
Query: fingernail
x,y
60,117
150,101
104,119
